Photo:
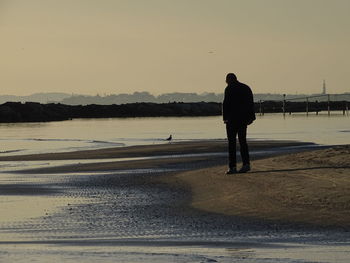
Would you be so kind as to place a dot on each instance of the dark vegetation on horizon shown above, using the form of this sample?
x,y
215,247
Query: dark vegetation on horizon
x,y
36,112
138,97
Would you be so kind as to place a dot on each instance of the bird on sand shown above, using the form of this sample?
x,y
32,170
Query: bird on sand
x,y
169,138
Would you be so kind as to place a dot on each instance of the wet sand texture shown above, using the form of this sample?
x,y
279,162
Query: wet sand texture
x,y
179,156
309,187
148,150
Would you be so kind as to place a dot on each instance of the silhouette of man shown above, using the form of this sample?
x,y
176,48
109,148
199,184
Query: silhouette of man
x,y
238,113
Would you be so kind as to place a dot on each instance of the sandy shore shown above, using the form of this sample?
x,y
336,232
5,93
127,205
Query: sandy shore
x,y
177,155
308,187
173,203
191,147
311,187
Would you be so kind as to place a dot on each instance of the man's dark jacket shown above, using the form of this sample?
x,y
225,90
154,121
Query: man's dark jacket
x,y
238,105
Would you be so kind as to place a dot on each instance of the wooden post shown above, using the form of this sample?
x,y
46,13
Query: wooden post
x,y
307,106
260,108
329,107
263,110
284,105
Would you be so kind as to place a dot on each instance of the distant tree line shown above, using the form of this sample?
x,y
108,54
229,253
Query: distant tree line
x,y
138,97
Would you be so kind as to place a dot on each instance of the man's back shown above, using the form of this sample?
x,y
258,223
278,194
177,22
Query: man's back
x,y
238,105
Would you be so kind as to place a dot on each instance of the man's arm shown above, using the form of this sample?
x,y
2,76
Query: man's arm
x,y
251,108
225,106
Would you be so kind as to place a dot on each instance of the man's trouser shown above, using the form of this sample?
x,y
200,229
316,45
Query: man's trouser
x,y
232,131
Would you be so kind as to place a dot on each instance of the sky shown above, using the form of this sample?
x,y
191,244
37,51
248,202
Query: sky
x,y
161,46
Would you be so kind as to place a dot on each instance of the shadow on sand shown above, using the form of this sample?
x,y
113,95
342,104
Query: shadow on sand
x,y
300,169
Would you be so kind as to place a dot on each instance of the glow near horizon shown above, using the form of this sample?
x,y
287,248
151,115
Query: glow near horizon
x,y
160,46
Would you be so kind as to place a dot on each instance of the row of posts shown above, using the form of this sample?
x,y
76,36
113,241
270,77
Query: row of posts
x,y
346,109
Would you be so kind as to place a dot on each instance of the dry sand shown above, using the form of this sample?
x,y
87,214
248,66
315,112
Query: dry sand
x,y
309,187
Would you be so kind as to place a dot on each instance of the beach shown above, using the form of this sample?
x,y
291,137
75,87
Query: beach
x,y
312,187
173,202
116,117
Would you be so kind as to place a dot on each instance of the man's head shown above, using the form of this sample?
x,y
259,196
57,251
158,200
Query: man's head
x,y
231,78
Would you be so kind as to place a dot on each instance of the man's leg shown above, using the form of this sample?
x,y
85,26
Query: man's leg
x,y
231,136
242,137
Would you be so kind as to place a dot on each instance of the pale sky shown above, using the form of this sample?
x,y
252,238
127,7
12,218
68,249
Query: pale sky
x,y
160,46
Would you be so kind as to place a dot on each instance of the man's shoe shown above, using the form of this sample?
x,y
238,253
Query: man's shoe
x,y
231,171
245,168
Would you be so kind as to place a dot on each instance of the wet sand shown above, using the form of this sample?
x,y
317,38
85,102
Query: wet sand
x,y
179,156
140,210
193,147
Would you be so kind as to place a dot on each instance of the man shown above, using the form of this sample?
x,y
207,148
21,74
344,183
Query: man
x,y
238,113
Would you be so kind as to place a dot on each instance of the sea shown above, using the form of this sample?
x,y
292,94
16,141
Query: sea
x,y
85,134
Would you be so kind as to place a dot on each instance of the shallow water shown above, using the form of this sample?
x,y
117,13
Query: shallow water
x,y
78,134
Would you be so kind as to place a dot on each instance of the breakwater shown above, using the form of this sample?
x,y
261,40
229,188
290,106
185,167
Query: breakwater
x,y
36,112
